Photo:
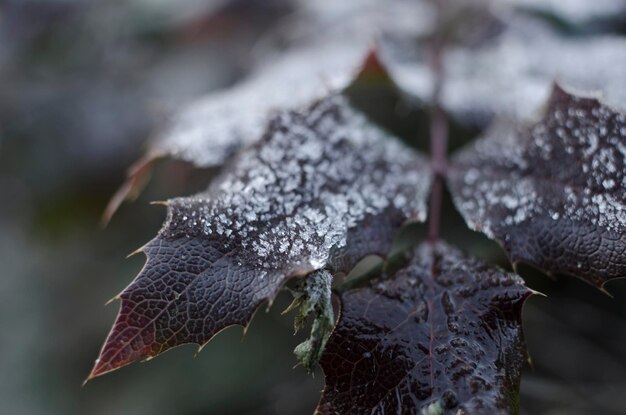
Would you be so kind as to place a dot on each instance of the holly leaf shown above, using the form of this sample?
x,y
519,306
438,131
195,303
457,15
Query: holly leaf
x,y
443,335
324,47
322,189
210,130
552,192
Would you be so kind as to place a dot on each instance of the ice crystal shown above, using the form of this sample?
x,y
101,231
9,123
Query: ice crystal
x,y
555,186
313,176
320,190
329,45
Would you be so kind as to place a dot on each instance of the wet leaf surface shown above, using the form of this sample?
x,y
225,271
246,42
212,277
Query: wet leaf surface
x,y
552,193
442,336
323,188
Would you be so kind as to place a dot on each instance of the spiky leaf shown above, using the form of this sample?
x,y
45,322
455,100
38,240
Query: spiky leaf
x,y
323,188
552,192
441,336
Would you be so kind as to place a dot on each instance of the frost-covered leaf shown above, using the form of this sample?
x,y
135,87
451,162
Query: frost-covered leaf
x,y
327,42
511,72
442,336
211,129
323,188
328,45
552,193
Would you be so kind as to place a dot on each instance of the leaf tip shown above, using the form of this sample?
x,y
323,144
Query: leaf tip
x,y
136,178
136,251
97,370
605,291
534,292
200,347
245,330
372,61
372,66
112,299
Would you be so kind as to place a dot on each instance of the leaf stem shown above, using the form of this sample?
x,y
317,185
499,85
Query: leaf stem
x,y
438,128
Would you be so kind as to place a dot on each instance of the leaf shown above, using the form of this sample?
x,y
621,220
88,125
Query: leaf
x,y
511,72
212,129
312,296
551,193
322,189
443,335
329,47
327,44
136,178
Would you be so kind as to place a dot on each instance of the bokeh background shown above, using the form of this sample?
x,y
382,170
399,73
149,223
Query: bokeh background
x,y
83,84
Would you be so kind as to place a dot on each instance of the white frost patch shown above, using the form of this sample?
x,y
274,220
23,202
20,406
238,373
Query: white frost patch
x,y
518,197
330,41
569,165
314,176
210,130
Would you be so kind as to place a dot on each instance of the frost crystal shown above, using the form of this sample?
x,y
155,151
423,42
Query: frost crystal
x,y
332,39
210,130
320,190
557,185
294,196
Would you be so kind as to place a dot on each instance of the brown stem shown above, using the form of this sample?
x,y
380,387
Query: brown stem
x,y
438,130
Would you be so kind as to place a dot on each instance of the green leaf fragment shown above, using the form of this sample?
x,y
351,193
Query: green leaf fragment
x,y
312,296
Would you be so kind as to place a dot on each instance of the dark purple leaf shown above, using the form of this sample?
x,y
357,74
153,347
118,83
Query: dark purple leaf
x,y
323,188
552,193
442,336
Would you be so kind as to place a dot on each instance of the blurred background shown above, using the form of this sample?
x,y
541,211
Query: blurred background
x,y
83,85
